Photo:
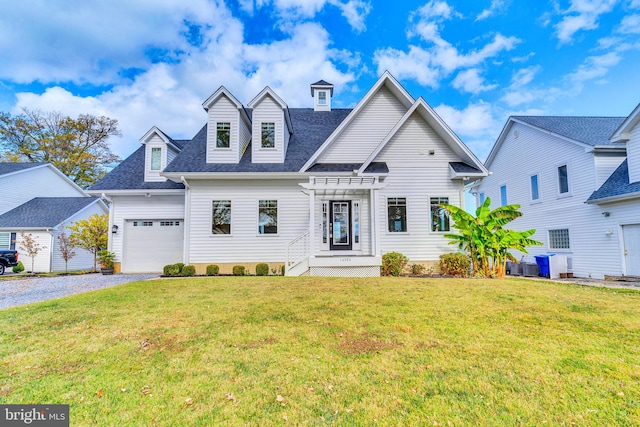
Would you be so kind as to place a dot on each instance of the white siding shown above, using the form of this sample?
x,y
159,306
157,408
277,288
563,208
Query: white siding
x,y
417,176
245,244
151,175
366,131
225,111
633,154
594,253
606,164
140,207
268,110
21,187
83,260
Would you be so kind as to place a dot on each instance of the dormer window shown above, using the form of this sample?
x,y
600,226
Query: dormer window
x,y
322,98
223,135
268,133
156,158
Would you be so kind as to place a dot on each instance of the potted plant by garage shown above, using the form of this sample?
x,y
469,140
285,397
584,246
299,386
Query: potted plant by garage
x,y
105,259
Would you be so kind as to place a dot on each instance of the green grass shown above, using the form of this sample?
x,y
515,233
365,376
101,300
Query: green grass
x,y
316,351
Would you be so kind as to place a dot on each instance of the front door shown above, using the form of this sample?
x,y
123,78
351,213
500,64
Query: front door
x,y
340,225
631,236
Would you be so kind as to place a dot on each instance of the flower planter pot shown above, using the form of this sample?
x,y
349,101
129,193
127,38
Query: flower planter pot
x,y
563,275
106,271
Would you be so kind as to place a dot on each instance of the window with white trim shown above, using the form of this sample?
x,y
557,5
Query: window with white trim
x,y
268,135
156,158
439,215
397,214
503,195
221,217
169,223
322,97
143,223
5,241
559,239
267,217
535,189
563,179
223,135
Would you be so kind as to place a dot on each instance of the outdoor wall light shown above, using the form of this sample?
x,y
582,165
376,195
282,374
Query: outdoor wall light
x,y
606,214
114,229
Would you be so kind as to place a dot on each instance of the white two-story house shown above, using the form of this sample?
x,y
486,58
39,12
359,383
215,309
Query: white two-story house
x,y
322,191
575,181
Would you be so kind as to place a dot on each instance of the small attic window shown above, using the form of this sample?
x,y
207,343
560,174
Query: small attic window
x,y
156,158
268,135
223,135
322,97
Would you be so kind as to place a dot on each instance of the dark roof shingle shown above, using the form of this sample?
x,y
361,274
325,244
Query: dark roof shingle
x,y
10,167
44,211
616,185
594,131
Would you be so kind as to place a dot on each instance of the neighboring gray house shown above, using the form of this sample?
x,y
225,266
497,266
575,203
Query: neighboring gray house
x,y
571,176
323,191
38,199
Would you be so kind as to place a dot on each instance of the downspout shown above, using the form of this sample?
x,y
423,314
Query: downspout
x,y
50,230
187,221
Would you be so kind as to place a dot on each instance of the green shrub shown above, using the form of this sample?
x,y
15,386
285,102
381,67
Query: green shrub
x,y
188,270
417,269
393,263
262,269
238,270
455,264
282,270
18,268
171,270
212,270
180,266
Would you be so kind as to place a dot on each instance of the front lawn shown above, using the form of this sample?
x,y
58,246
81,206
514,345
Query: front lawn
x,y
316,351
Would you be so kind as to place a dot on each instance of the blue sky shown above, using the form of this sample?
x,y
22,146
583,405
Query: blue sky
x,y
153,63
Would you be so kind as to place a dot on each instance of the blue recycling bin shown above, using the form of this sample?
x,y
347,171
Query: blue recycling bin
x,y
543,264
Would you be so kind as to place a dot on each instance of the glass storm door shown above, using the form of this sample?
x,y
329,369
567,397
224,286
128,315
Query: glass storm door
x,y
340,225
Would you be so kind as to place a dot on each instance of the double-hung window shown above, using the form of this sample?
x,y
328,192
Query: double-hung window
x,y
322,98
268,135
267,217
221,217
5,241
223,135
397,214
439,215
503,195
156,158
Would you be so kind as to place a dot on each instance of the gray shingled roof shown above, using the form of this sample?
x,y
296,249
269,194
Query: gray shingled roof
x,y
10,167
462,167
374,167
594,131
44,212
310,130
129,175
616,185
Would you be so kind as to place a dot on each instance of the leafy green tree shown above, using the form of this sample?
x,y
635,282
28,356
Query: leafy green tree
x,y
90,234
78,147
485,240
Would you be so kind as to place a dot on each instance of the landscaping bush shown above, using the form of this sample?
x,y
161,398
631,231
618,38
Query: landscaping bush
x,y
282,270
262,269
180,266
417,269
212,270
171,270
455,264
188,270
18,268
238,270
393,263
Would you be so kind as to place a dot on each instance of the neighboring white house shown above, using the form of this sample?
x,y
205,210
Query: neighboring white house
x,y
40,200
563,172
321,190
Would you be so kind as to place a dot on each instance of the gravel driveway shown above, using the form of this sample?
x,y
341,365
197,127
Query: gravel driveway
x,y
33,289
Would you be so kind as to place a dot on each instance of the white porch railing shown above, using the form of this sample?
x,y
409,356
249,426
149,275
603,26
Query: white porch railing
x,y
298,251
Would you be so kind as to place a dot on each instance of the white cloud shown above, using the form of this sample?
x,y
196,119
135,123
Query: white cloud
x,y
170,95
470,81
630,24
428,65
496,7
355,11
594,67
581,15
475,119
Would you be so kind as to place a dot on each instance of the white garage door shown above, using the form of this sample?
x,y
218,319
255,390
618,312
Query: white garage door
x,y
150,244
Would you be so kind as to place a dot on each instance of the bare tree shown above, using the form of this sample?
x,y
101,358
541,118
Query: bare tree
x,y
29,244
65,247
